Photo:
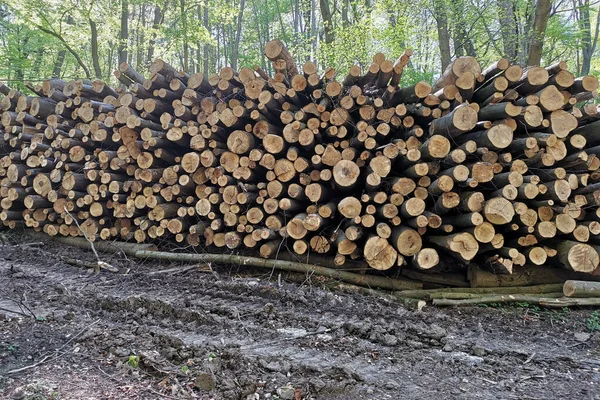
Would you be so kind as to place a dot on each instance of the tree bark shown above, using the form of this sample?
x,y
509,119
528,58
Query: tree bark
x,y
588,42
206,46
536,41
441,17
508,26
238,35
60,59
95,55
124,32
158,19
463,45
327,21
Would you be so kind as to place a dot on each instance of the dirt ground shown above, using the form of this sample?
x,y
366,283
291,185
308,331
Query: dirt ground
x,y
238,334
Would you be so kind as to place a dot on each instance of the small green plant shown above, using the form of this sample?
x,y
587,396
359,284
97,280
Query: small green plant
x,y
593,321
134,361
13,348
185,369
211,356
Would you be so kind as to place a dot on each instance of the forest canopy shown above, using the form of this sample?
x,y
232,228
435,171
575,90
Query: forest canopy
x,y
73,38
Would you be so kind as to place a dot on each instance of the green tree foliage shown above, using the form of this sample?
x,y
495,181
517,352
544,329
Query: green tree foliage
x,y
69,38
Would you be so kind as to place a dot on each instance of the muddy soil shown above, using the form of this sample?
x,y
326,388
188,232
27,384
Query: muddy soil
x,y
231,333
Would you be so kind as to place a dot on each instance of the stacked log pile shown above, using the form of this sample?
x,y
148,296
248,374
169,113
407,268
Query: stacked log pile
x,y
497,166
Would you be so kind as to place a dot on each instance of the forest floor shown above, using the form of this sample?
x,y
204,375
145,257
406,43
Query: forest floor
x,y
241,334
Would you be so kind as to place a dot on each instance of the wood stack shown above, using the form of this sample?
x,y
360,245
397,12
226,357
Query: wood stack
x,y
496,166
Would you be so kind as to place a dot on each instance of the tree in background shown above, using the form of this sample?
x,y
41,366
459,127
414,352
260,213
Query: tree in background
x,y
88,39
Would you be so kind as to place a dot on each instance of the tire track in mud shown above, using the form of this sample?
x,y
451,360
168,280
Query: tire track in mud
x,y
248,336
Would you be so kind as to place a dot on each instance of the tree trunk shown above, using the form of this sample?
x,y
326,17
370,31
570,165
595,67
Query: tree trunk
x,y
238,36
508,26
206,46
441,17
463,45
124,32
141,38
95,55
588,45
60,59
158,18
313,28
345,20
183,23
327,21
536,41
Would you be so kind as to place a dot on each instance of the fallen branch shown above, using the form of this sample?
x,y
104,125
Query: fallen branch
x,y
447,279
88,264
414,304
179,270
356,279
490,291
128,249
515,298
462,296
583,289
99,263
144,251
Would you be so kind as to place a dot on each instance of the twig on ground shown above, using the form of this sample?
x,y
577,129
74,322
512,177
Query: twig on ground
x,y
179,270
101,264
87,264
56,352
21,303
14,312
529,358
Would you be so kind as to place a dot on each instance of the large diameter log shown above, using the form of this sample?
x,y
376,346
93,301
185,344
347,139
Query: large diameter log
x,y
408,242
275,50
583,289
350,207
498,211
346,173
459,67
240,142
462,244
578,257
379,253
498,137
462,119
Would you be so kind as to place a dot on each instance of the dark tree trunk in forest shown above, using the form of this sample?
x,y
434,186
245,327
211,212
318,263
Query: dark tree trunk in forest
x,y
588,43
158,18
206,46
141,38
441,17
281,24
60,59
345,20
327,21
95,55
313,26
186,50
540,21
463,45
238,35
508,27
38,62
124,32
20,62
